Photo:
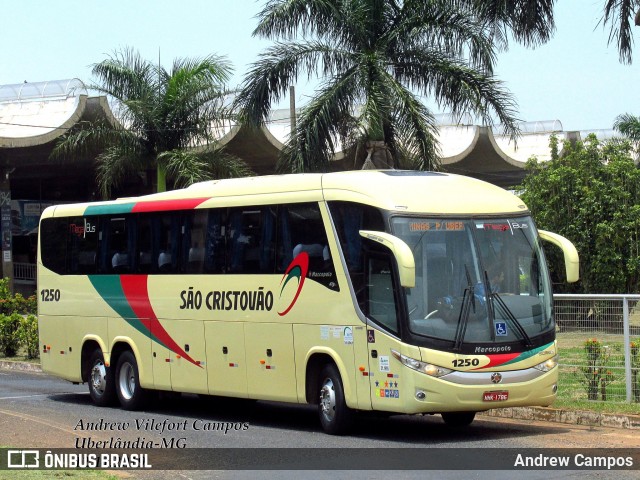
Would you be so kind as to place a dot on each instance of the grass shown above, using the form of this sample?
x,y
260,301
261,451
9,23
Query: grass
x,y
572,391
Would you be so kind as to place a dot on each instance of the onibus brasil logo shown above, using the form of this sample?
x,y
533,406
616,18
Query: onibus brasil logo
x,y
297,269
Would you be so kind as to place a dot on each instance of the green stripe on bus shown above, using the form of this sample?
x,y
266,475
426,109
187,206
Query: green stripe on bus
x,y
109,209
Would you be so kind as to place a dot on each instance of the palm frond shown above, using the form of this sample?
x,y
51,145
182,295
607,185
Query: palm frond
x,y
114,165
89,139
191,166
619,13
278,68
313,17
629,126
320,125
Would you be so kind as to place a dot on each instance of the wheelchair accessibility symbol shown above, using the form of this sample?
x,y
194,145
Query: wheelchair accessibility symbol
x,y
501,329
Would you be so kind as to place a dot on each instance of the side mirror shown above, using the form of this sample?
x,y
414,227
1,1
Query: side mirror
x,y
401,252
571,259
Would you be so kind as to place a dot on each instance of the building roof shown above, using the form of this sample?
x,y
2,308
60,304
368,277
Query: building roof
x,y
35,114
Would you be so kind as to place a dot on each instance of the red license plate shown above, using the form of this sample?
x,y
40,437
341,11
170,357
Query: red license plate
x,y
495,396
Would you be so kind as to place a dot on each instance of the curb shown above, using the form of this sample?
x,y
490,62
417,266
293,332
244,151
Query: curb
x,y
23,366
542,414
572,417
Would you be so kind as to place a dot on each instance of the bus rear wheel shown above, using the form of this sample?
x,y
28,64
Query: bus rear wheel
x,y
130,394
335,417
458,419
102,388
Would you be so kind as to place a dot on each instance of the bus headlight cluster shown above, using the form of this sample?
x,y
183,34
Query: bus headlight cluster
x,y
422,367
547,364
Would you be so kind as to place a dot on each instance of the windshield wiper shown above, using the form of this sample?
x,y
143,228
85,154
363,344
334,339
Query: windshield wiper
x,y
506,313
468,301
491,314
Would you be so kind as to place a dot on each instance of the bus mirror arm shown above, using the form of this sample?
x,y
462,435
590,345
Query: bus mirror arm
x,y
571,258
401,252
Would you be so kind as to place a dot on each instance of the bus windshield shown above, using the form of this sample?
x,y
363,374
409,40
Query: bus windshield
x,y
478,281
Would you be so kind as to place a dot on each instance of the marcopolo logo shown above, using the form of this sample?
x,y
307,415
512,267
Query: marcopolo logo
x,y
297,269
23,459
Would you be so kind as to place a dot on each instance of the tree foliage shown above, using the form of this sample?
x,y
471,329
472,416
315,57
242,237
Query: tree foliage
x,y
162,114
375,59
591,195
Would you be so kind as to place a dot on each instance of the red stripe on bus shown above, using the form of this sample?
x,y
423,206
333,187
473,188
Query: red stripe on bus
x,y
137,294
165,205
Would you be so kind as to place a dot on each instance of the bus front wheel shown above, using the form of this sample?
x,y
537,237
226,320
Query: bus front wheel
x,y
335,416
130,394
102,389
458,419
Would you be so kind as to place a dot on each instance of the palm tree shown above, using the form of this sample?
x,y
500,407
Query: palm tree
x,y
376,57
531,21
166,121
629,126
619,14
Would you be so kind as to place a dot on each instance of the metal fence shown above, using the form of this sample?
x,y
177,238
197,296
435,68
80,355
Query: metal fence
x,y
599,342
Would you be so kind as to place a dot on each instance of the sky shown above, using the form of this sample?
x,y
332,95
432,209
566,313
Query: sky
x,y
575,78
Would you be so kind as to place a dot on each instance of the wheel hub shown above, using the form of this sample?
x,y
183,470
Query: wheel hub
x,y
328,400
99,377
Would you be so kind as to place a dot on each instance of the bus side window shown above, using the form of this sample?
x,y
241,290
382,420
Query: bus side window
x,y
214,243
120,245
83,245
193,246
301,230
169,237
306,233
349,218
54,233
145,245
251,247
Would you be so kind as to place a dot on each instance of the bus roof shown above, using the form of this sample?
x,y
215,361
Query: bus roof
x,y
393,190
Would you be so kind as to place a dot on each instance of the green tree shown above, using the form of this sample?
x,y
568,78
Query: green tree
x,y
629,126
165,122
375,57
591,195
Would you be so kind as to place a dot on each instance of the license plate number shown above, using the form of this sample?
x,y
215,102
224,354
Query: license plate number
x,y
496,396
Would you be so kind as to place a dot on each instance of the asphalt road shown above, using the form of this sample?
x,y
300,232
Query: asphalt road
x,y
38,411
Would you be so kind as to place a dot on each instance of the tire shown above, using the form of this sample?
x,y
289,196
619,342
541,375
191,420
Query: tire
x,y
335,417
102,389
127,383
458,419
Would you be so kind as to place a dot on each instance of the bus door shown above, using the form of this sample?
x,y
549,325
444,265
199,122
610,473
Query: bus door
x,y
379,301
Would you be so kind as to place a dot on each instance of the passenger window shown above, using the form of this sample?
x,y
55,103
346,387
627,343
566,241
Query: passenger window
x,y
302,230
251,235
349,218
54,233
83,245
214,255
145,246
169,235
118,241
194,244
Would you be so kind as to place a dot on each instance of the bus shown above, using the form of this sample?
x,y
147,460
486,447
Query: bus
x,y
390,291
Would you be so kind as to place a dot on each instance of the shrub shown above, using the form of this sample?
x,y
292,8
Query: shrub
x,y
27,334
9,342
597,377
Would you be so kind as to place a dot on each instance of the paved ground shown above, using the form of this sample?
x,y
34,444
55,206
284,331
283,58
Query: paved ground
x,y
570,417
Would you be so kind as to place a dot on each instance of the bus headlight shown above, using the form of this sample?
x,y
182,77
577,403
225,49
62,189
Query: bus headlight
x,y
547,364
419,366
